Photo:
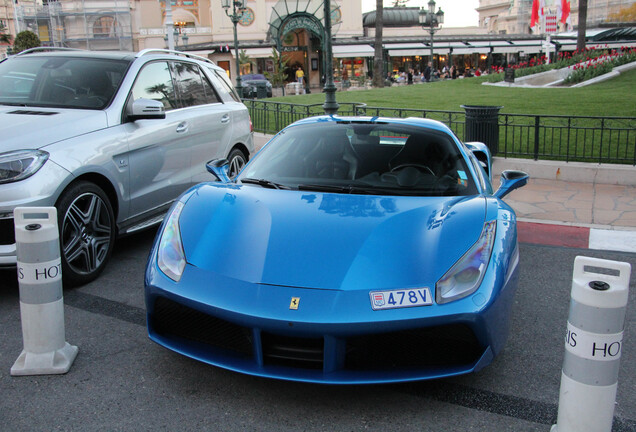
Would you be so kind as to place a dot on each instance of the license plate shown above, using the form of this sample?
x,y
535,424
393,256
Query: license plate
x,y
400,298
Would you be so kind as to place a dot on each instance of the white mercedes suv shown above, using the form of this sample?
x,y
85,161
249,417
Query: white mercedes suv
x,y
110,139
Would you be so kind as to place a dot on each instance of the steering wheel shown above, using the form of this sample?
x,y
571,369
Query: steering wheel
x,y
422,168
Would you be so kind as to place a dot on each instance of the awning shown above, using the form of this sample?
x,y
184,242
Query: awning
x,y
256,52
407,49
421,53
341,51
403,46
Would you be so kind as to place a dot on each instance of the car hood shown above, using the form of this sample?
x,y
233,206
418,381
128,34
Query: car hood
x,y
34,127
326,240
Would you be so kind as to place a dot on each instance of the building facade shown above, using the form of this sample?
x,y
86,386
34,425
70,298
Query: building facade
x,y
513,16
295,29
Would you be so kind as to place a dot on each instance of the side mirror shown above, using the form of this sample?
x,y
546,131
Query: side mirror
x,y
511,180
219,168
146,109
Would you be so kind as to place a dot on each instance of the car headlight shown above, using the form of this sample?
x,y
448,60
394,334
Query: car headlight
x,y
170,255
466,275
18,165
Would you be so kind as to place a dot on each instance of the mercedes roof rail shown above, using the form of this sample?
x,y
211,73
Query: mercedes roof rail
x,y
173,52
43,49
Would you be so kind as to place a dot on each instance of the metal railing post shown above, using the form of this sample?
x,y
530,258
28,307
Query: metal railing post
x,y
537,122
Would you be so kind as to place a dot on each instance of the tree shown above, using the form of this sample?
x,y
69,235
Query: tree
x,y
378,59
580,36
278,76
244,61
25,40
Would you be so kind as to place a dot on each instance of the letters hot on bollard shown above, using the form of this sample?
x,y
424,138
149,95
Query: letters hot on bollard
x,y
41,305
593,343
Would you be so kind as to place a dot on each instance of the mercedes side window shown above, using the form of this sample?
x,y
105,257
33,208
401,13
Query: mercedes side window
x,y
155,82
194,89
225,81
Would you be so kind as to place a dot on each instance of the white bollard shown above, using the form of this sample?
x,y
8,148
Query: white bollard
x,y
593,345
41,303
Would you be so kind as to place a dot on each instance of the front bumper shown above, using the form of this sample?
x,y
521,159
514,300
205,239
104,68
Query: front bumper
x,y
334,337
39,190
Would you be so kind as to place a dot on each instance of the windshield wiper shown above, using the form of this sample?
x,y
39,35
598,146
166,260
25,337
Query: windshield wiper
x,y
265,183
20,104
349,189
368,190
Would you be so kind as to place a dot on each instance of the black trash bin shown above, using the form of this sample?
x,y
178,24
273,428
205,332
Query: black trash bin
x,y
482,124
261,90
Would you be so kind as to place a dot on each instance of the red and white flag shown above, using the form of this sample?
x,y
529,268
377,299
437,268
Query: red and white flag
x,y
538,12
564,14
534,16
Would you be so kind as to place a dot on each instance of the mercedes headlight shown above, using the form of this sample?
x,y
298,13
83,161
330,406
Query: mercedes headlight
x,y
466,275
20,164
170,255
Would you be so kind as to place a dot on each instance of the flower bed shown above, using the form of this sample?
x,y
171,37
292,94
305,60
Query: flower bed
x,y
599,65
589,63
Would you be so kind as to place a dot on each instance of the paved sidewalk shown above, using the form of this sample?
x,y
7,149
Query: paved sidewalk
x,y
575,203
575,214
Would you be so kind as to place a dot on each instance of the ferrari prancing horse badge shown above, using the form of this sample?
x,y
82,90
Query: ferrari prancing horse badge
x,y
294,303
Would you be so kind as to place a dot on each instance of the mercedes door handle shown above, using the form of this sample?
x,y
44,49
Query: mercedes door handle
x,y
182,127
225,119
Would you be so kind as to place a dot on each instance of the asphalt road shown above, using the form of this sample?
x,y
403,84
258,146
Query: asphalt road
x,y
122,381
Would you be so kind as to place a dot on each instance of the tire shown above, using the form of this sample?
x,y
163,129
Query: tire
x,y
237,161
87,232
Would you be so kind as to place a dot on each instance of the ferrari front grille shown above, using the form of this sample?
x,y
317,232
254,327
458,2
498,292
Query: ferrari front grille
x,y
443,346
304,353
176,320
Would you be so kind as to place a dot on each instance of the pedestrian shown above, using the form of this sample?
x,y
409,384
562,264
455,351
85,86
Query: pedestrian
x,y
409,77
427,72
300,75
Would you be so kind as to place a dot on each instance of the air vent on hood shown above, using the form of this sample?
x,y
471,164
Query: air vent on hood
x,y
30,112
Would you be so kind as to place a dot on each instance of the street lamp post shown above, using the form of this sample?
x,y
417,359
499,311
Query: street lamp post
x,y
238,7
169,26
431,21
330,106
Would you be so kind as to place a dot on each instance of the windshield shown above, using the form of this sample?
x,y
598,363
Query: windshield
x,y
366,158
60,82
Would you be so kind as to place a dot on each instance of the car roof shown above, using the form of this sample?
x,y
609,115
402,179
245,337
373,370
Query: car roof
x,y
114,55
410,121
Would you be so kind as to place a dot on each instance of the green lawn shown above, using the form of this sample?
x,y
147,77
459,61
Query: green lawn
x,y
610,98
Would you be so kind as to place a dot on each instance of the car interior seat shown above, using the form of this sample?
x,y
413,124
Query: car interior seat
x,y
333,157
421,151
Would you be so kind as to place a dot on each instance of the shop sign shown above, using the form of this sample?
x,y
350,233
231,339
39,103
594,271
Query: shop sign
x,y
303,22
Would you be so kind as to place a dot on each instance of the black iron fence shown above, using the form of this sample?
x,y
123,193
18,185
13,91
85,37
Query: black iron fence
x,y
550,137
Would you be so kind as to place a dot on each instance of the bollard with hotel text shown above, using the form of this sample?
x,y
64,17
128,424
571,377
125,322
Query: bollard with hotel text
x,y
593,345
41,304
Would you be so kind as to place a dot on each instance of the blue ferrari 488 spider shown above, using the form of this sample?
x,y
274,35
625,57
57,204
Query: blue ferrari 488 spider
x,y
350,250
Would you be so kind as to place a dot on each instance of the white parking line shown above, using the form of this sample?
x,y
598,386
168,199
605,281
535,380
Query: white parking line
x,y
615,240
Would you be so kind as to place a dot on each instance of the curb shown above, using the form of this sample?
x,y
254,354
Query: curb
x,y
617,239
